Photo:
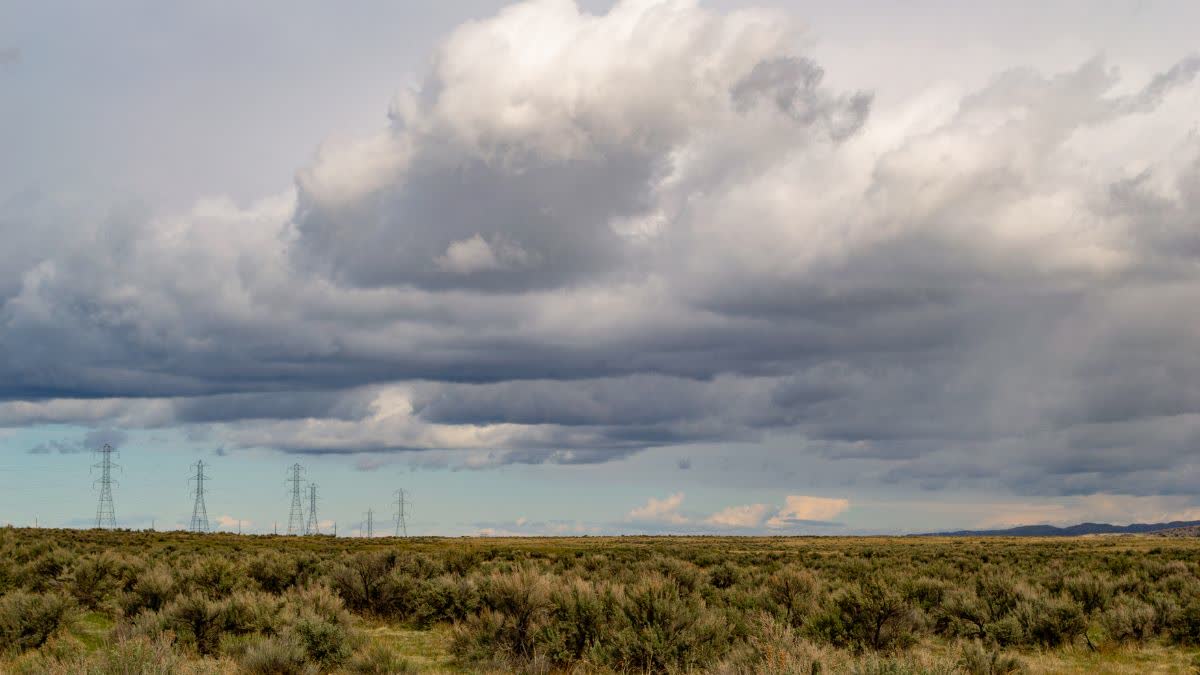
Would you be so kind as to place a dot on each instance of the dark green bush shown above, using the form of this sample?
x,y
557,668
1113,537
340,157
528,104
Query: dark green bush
x,y
197,621
1090,591
28,620
1051,622
793,592
662,628
872,615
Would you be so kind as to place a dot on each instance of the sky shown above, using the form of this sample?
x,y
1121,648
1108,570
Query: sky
x,y
647,266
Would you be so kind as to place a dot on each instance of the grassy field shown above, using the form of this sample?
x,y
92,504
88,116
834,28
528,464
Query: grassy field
x,y
144,602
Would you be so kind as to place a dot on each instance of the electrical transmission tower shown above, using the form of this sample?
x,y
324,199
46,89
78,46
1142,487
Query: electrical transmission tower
x,y
370,525
312,527
106,517
401,517
296,517
199,510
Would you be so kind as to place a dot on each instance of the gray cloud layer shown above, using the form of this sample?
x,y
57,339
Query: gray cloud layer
x,y
583,236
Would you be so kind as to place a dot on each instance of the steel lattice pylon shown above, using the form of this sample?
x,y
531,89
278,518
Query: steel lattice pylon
x,y
106,516
401,514
199,510
312,527
296,517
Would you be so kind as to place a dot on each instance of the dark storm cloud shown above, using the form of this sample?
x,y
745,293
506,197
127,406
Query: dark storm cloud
x,y
92,440
570,252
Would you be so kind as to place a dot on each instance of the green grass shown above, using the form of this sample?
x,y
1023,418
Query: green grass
x,y
92,629
429,650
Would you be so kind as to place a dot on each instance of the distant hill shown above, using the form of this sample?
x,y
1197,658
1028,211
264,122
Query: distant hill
x,y
1077,530
1188,531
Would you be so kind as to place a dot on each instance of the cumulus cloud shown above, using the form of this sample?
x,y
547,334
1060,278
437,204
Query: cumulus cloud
x,y
664,510
231,523
798,510
802,509
661,226
748,516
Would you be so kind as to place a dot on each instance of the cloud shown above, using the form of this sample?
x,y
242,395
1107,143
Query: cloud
x,y
748,516
468,256
657,226
665,511
1103,508
92,440
231,523
797,510
801,509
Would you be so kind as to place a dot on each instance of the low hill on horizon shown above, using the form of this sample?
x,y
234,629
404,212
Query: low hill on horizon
x,y
1072,530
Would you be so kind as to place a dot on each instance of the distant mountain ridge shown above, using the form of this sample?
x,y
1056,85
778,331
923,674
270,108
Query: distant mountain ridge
x,y
1070,531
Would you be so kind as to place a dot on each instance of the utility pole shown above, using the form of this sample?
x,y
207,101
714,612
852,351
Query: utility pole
x,y
296,517
105,515
370,523
312,527
199,510
401,518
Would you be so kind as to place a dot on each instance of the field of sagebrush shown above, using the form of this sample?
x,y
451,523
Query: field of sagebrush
x,y
145,602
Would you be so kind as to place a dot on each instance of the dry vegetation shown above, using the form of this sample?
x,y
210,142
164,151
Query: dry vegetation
x,y
134,602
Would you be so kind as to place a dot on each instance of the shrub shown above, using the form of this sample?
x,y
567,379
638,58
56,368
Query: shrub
x,y
276,656
723,575
274,573
214,576
319,600
793,592
517,607
1051,622
28,620
1183,622
153,589
197,620
1129,620
378,659
580,617
91,581
774,648
663,629
1090,591
445,598
328,643
363,582
975,659
873,615
142,655
245,612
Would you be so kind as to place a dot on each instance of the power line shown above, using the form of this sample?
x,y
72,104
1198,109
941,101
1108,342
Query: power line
x,y
401,517
106,516
370,523
313,527
199,510
296,517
